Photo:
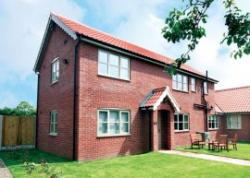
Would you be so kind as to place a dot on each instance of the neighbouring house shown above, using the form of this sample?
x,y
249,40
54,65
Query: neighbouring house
x,y
233,111
99,96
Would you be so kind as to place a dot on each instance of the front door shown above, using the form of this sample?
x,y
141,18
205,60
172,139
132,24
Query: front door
x,y
162,129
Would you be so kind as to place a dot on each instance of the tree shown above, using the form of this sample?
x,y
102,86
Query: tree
x,y
22,109
186,24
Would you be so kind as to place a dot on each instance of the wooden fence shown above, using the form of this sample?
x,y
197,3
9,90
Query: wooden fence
x,y
17,131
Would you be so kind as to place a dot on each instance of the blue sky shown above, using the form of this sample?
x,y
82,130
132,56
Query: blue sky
x,y
139,21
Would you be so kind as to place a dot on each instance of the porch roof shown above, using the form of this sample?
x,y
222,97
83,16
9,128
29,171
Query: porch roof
x,y
156,97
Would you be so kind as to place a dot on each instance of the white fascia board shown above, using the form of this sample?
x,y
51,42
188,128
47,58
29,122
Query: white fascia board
x,y
167,93
62,26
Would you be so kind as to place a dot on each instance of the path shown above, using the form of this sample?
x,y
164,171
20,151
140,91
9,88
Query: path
x,y
4,171
209,157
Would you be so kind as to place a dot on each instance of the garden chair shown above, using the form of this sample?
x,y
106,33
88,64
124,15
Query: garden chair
x,y
213,140
233,141
196,140
222,143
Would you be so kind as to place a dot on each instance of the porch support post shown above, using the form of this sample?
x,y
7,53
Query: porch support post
x,y
172,134
154,120
1,130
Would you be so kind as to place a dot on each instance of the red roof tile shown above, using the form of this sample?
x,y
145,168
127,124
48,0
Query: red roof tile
x,y
156,93
233,100
106,38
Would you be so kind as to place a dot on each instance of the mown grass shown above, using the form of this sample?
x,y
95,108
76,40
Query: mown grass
x,y
150,165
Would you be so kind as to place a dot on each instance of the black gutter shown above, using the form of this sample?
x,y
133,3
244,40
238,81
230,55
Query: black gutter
x,y
75,69
205,101
37,108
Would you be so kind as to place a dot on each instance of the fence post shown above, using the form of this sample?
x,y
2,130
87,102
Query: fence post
x,y
1,131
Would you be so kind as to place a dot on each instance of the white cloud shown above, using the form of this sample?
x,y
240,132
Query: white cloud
x,y
22,26
138,23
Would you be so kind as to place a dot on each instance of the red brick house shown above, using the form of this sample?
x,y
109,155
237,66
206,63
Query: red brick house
x,y
99,96
233,111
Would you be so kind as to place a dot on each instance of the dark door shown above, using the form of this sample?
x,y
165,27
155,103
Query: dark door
x,y
163,130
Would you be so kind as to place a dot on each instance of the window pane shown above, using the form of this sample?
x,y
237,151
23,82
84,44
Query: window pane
x,y
185,118
113,71
185,126
185,87
180,118
174,77
176,126
179,78
114,116
103,116
124,63
124,127
113,60
124,116
174,84
103,128
184,79
103,69
179,86
124,74
103,57
181,126
175,118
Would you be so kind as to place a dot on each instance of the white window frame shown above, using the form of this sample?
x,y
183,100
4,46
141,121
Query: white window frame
x,y
53,126
193,84
107,74
183,122
178,82
213,119
55,70
108,134
205,88
236,118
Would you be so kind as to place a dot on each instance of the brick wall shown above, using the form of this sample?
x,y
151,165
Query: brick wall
x,y
103,92
243,133
58,96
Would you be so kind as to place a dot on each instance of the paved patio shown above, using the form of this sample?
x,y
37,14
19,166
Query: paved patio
x,y
4,171
208,157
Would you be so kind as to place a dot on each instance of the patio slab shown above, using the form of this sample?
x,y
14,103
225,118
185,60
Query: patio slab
x,y
208,157
4,171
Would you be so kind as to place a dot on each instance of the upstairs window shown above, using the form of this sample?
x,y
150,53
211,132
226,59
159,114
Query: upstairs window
x,y
113,122
233,121
193,88
113,65
53,123
205,88
213,122
181,122
180,82
55,70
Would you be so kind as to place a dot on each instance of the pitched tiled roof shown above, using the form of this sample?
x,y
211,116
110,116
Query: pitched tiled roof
x,y
233,100
156,96
108,39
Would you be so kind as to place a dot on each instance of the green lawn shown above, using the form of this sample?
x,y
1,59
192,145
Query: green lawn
x,y
243,151
148,165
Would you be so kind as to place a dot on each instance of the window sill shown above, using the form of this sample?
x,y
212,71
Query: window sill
x,y
53,134
213,129
54,82
234,129
180,90
115,78
180,131
107,136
